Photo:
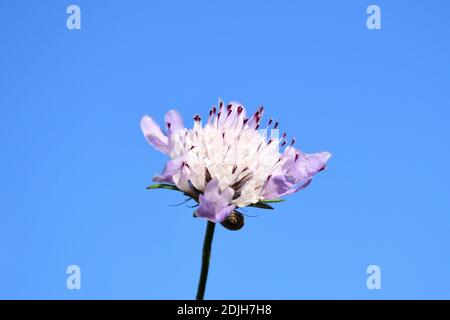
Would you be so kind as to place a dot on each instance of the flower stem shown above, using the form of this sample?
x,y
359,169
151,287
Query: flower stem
x,y
210,226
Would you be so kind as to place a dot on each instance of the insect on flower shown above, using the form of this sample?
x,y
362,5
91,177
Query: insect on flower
x,y
228,163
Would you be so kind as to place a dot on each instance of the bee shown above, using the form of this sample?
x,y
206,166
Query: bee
x,y
234,222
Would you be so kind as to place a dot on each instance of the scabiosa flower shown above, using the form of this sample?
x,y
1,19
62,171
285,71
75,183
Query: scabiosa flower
x,y
228,163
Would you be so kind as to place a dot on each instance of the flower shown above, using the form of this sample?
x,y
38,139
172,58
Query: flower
x,y
229,163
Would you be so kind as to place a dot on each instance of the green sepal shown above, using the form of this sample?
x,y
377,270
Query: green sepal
x,y
163,186
261,205
272,201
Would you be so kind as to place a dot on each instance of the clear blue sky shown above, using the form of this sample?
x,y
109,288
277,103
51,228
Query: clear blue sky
x,y
74,164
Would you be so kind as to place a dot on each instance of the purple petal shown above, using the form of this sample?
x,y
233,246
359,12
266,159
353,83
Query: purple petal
x,y
276,187
295,174
308,165
298,188
215,205
223,213
171,168
152,132
212,189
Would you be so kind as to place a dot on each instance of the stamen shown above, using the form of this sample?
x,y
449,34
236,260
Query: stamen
x,y
212,112
194,189
276,125
207,175
265,183
257,149
293,141
239,184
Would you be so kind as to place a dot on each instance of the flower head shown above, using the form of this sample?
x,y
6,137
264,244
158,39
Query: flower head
x,y
228,162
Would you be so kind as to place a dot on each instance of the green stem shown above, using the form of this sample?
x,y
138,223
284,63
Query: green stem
x,y
210,226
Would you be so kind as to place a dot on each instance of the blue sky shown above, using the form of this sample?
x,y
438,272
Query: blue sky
x,y
74,164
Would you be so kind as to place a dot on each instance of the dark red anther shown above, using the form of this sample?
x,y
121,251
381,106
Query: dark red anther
x,y
270,121
218,115
197,118
245,120
276,125
284,143
220,105
283,136
293,141
185,165
168,125
229,107
229,112
240,109
257,127
297,155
